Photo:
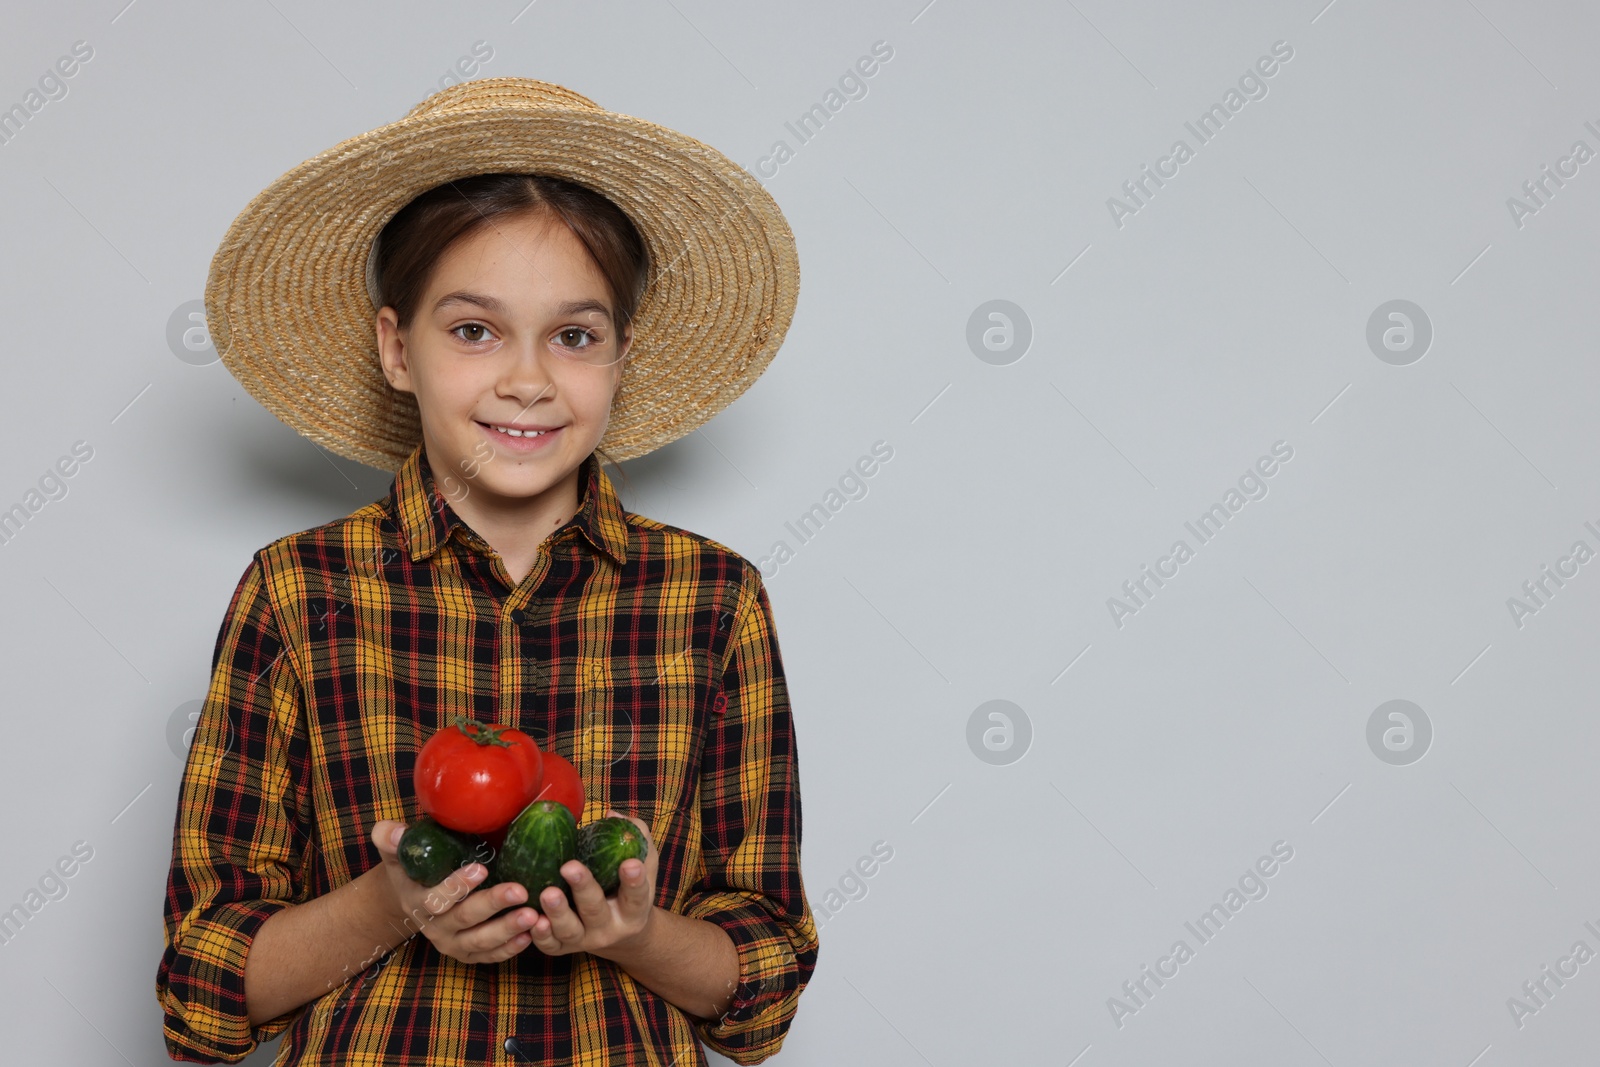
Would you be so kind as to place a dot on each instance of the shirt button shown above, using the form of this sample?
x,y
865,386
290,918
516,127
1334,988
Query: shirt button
x,y
519,616
513,1047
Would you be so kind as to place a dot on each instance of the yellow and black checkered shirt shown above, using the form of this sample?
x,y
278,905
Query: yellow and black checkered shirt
x,y
643,653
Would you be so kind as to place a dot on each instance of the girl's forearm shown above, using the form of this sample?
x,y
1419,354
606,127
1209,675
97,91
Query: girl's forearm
x,y
304,951
690,962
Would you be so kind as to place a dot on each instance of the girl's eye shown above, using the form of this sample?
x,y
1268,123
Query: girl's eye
x,y
483,331
576,331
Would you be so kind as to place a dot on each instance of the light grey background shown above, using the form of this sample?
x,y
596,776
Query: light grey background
x,y
1228,313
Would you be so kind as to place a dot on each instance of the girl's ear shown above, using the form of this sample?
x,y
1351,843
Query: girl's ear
x,y
392,350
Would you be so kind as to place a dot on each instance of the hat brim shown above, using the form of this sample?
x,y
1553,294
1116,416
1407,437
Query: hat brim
x,y
288,309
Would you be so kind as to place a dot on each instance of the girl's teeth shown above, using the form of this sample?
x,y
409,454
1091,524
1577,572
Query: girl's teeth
x,y
521,433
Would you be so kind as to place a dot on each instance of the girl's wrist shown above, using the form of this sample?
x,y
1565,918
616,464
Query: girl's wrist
x,y
639,945
384,904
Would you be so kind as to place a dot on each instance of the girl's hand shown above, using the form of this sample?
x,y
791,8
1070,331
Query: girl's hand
x,y
455,915
600,924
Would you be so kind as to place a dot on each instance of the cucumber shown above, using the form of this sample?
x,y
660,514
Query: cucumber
x,y
604,844
429,851
537,843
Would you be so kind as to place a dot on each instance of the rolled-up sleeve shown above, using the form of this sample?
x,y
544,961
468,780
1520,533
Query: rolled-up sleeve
x,y
239,835
750,819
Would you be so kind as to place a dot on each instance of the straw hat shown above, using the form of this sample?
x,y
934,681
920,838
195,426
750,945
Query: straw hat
x,y
290,303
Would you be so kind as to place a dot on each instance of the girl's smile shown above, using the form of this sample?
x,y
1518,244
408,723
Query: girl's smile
x,y
526,439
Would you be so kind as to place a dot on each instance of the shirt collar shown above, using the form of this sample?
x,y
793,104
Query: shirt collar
x,y
426,519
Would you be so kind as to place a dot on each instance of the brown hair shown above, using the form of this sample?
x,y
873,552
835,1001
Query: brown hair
x,y
411,243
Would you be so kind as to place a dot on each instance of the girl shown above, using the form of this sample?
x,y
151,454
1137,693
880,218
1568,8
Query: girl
x,y
538,277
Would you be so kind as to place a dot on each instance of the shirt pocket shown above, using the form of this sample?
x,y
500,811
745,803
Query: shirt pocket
x,y
640,730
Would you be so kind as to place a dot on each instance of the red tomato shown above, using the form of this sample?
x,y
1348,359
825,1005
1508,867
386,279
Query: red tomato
x,y
475,777
561,783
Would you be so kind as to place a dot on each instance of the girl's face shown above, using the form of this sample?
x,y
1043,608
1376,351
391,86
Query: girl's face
x,y
514,331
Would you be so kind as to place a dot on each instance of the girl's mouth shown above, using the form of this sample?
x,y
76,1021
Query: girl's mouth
x,y
519,441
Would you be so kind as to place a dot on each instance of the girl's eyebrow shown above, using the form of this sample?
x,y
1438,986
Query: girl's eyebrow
x,y
494,305
463,296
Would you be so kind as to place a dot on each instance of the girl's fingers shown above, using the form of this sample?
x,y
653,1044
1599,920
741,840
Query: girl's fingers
x,y
633,895
495,954
495,935
590,901
386,836
564,922
454,890
511,948
548,940
484,904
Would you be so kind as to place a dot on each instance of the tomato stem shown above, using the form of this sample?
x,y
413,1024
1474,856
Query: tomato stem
x,y
481,733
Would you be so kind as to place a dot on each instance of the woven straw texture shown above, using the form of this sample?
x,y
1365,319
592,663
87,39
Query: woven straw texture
x,y
287,299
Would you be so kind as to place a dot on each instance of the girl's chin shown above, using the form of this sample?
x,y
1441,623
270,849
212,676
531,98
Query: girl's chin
x,y
504,486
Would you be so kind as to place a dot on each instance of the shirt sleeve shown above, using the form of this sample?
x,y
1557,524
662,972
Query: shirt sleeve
x,y
750,818
238,838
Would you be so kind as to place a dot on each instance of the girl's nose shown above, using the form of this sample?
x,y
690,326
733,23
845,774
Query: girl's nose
x,y
524,374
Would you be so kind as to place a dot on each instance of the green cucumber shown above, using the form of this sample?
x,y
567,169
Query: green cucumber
x,y
537,843
429,851
604,844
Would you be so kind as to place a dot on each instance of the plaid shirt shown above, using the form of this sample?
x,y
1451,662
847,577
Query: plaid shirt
x,y
643,653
